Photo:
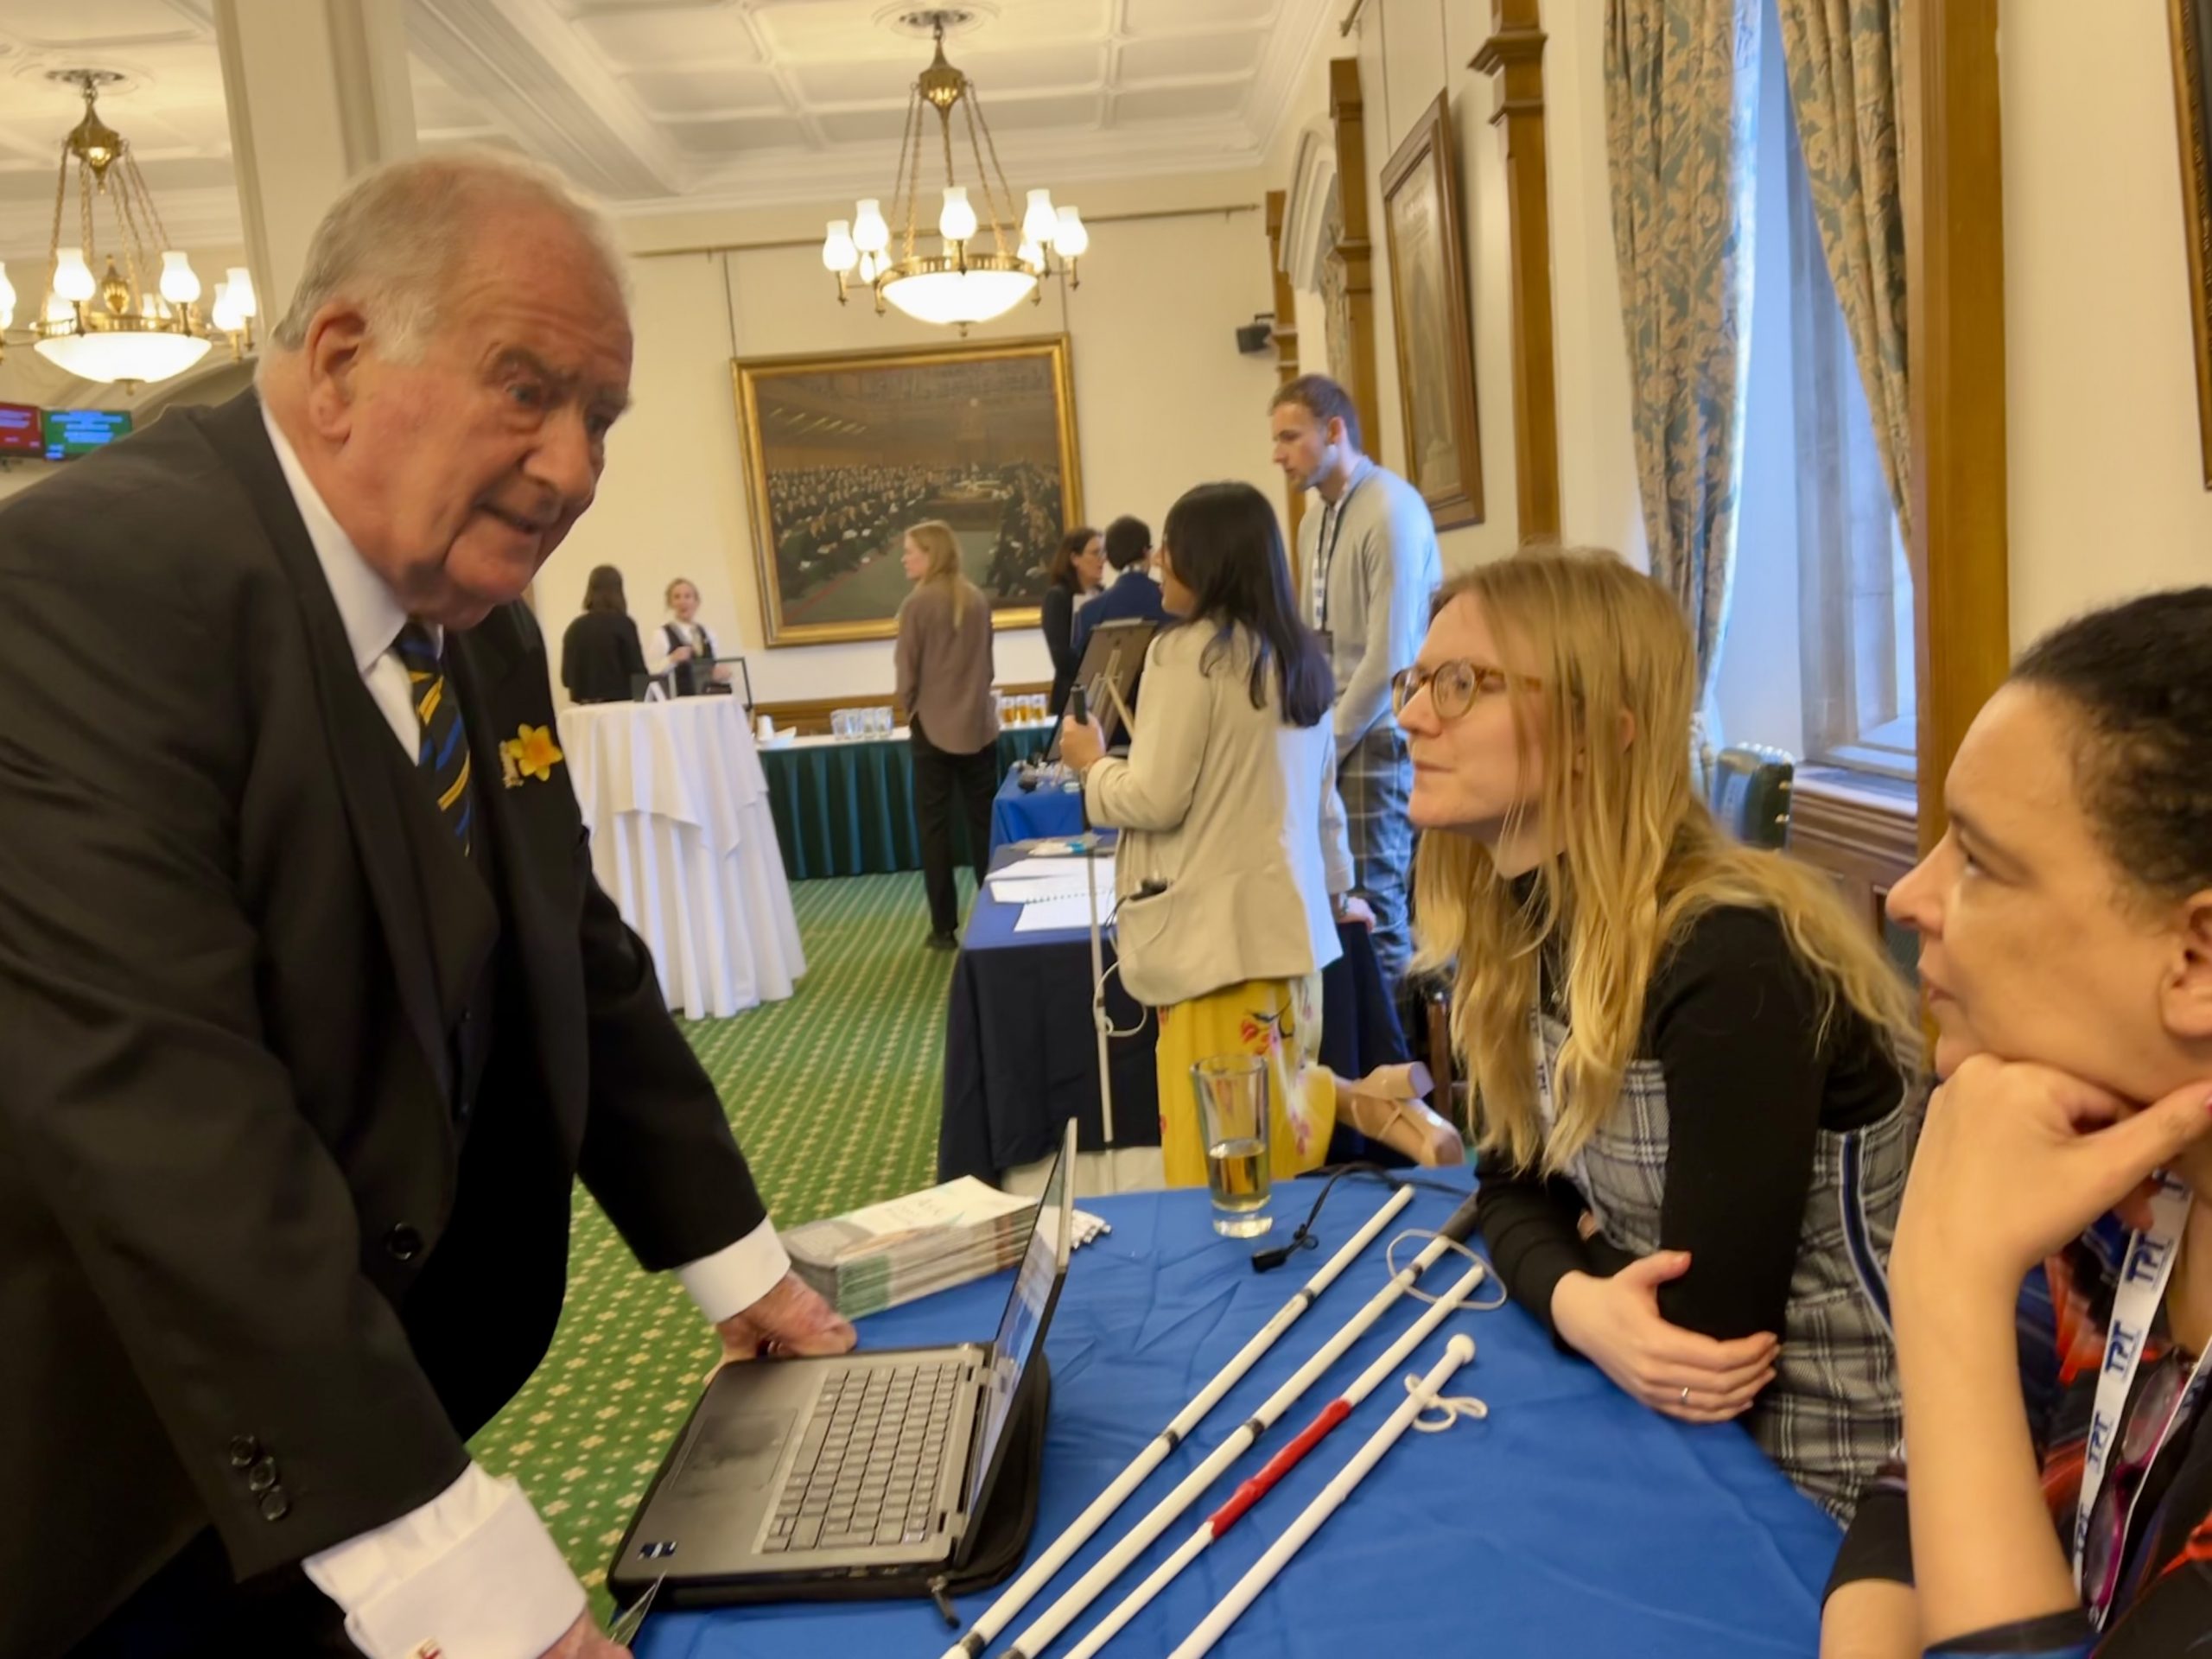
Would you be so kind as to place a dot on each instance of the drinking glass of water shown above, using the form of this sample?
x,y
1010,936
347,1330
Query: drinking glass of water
x,y
1232,1091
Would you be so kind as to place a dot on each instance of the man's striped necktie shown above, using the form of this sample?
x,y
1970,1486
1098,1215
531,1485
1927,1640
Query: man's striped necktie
x,y
443,758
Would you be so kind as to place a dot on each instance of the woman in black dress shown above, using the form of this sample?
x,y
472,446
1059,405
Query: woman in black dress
x,y
1077,570
600,653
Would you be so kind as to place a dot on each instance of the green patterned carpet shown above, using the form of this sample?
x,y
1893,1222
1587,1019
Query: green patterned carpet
x,y
834,1096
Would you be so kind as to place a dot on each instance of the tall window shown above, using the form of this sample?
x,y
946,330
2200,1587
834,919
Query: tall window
x,y
1854,582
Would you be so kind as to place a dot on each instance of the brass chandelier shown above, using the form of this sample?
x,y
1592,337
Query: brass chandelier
x,y
137,320
967,278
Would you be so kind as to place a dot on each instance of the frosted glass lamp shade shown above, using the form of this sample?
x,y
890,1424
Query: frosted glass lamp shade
x,y
180,282
1040,220
956,223
72,277
870,233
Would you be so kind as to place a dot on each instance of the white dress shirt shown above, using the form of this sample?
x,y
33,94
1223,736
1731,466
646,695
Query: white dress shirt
x,y
473,1573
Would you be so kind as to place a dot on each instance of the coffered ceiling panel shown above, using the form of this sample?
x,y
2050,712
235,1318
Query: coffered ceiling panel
x,y
1198,101
814,31
1174,57
680,92
657,105
1158,16
109,22
662,33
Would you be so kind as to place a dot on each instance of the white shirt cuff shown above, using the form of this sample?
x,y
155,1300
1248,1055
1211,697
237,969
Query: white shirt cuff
x,y
472,1575
737,1275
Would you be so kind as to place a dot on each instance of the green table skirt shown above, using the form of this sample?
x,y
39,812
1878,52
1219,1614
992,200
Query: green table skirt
x,y
848,808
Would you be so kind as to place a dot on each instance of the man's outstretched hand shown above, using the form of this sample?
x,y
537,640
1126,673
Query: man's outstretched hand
x,y
792,1318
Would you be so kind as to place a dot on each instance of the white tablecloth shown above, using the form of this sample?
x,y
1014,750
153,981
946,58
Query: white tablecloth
x,y
682,840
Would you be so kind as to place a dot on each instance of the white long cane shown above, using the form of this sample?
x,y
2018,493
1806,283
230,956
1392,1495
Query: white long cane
x,y
1033,1641
1293,1453
1457,1352
1017,1595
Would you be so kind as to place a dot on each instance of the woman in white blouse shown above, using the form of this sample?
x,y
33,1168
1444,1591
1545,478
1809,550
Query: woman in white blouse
x,y
683,639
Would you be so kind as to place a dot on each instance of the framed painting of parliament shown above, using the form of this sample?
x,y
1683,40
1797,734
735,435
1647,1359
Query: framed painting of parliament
x,y
842,453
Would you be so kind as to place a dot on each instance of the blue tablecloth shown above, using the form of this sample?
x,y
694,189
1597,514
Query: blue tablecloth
x,y
1040,814
1021,1057
1572,1521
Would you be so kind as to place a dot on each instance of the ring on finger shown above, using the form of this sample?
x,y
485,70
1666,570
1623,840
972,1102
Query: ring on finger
x,y
1686,1395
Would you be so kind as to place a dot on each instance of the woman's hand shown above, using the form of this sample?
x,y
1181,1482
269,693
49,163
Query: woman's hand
x,y
1356,910
2015,1158
681,654
1616,1322
1081,746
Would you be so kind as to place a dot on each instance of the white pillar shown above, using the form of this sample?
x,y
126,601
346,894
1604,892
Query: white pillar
x,y
317,91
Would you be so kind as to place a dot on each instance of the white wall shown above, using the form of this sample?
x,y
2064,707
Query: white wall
x,y
1163,401
2107,493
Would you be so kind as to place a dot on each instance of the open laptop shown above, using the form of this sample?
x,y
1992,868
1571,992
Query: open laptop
x,y
795,1478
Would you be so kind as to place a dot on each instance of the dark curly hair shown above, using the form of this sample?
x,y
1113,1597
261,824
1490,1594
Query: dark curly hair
x,y
2137,676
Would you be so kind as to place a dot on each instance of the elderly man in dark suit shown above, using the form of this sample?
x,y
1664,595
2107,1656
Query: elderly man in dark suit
x,y
310,1010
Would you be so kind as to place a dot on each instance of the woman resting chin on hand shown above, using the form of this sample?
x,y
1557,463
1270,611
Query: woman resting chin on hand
x,y
2052,1280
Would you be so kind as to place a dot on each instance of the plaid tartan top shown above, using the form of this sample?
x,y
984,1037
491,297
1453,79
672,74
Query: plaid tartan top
x,y
1775,1158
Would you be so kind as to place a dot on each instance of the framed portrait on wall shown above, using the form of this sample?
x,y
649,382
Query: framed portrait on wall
x,y
1431,314
843,453
2192,33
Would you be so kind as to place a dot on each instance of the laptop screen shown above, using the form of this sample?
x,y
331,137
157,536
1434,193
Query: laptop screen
x,y
1042,1264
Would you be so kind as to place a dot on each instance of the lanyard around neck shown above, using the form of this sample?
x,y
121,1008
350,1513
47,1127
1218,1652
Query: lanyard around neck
x,y
2145,1271
1327,561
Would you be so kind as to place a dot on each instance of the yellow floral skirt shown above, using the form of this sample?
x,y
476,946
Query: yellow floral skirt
x,y
1279,1020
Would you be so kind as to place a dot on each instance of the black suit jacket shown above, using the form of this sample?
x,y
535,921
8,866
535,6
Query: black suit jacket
x,y
292,1095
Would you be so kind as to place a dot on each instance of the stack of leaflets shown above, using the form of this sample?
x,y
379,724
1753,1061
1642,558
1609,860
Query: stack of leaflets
x,y
893,1252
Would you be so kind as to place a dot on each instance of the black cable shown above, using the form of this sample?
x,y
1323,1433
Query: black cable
x,y
1304,1237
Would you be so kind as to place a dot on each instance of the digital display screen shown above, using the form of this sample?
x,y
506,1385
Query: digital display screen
x,y
20,430
73,432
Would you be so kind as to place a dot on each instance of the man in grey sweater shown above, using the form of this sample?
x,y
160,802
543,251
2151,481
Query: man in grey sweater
x,y
1372,561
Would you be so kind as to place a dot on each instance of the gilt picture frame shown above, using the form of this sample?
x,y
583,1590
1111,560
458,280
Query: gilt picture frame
x,y
1432,319
843,452
2192,47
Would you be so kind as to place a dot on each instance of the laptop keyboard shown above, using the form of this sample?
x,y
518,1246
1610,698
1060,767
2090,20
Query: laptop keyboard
x,y
869,1459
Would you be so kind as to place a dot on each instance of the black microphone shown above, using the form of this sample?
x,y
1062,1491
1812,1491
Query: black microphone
x,y
1076,707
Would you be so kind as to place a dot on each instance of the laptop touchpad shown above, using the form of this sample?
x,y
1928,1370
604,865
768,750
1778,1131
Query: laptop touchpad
x,y
733,1454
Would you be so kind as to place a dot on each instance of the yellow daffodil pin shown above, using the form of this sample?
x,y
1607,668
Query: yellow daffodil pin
x,y
531,752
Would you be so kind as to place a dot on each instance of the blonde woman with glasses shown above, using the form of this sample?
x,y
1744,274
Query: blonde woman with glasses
x,y
1690,1058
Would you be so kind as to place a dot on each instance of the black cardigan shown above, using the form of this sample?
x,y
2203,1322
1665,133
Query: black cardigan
x,y
599,653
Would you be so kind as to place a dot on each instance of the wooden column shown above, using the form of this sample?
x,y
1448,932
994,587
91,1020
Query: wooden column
x,y
1285,333
1955,287
1514,55
1347,115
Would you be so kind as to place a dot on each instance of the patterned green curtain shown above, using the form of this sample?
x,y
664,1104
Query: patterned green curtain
x,y
1847,72
1681,110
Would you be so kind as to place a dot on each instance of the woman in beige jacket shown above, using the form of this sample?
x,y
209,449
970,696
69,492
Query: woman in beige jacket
x,y
1233,868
